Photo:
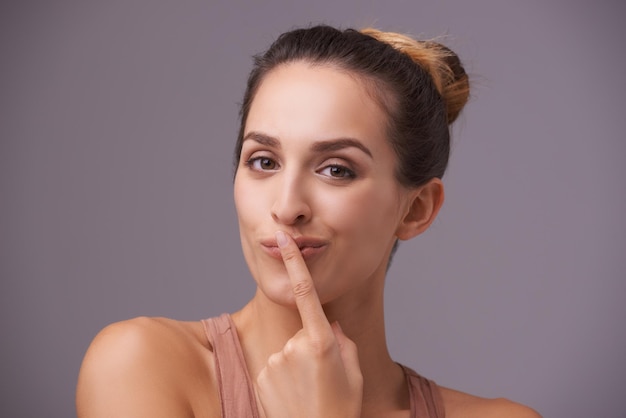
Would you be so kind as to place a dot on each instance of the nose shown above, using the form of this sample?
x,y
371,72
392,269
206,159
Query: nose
x,y
291,205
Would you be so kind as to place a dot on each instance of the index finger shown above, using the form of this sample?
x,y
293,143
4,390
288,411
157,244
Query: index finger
x,y
308,303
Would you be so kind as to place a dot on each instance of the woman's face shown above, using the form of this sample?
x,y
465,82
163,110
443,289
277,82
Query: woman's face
x,y
316,163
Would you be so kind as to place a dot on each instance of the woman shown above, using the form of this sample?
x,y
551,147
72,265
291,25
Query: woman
x,y
344,139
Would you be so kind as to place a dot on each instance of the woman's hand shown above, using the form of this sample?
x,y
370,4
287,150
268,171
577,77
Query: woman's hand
x,y
317,372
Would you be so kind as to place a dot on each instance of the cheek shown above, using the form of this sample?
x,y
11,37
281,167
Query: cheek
x,y
240,199
367,214
248,202
247,207
363,226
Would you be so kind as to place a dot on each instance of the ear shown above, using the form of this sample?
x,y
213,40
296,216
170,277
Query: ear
x,y
423,205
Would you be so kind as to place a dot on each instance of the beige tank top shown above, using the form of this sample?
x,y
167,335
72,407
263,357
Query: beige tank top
x,y
236,392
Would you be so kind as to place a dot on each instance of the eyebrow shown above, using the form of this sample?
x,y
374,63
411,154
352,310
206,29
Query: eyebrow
x,y
320,146
262,139
340,143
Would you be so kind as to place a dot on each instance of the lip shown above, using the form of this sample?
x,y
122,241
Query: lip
x,y
309,247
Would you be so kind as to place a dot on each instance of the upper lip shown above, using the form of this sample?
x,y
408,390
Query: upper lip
x,y
301,242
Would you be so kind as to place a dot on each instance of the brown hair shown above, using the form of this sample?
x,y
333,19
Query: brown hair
x,y
421,85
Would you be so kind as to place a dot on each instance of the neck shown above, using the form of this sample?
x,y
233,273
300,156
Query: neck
x,y
264,327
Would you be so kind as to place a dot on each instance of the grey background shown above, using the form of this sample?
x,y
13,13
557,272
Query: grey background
x,y
117,122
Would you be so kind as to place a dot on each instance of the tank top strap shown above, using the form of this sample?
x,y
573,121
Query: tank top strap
x,y
237,396
425,396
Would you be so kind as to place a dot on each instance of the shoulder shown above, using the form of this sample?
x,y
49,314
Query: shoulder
x,y
138,331
459,404
144,367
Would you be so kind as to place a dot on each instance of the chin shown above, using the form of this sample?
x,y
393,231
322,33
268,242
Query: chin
x,y
278,292
274,284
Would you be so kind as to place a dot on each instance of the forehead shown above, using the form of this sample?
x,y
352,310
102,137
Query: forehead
x,y
306,101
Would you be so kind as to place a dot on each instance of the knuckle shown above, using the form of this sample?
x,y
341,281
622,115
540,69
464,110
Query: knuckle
x,y
290,349
321,347
262,379
295,345
303,289
290,254
274,361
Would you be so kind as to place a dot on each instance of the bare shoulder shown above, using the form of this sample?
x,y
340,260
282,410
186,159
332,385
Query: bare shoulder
x,y
462,405
145,367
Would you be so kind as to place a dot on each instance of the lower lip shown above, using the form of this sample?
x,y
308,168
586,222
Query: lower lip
x,y
307,252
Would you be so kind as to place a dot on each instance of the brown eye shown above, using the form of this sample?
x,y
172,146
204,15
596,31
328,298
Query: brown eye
x,y
338,171
267,164
262,164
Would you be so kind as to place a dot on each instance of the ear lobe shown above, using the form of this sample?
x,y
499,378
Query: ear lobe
x,y
424,204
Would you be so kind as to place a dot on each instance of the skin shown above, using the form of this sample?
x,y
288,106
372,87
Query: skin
x,y
319,210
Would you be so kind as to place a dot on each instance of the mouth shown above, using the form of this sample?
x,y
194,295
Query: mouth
x,y
309,247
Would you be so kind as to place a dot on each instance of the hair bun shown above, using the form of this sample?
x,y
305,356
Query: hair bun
x,y
443,65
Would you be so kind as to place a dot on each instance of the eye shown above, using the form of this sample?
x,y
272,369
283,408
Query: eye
x,y
262,164
338,171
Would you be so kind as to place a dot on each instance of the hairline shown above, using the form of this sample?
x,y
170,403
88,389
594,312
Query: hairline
x,y
375,87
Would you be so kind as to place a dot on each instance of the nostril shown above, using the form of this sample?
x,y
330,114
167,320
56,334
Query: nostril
x,y
291,206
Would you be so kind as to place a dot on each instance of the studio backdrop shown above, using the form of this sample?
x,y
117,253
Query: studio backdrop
x,y
117,126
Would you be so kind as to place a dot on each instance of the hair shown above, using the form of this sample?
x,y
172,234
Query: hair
x,y
421,85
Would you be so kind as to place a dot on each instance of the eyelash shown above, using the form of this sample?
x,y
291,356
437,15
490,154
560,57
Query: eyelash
x,y
348,173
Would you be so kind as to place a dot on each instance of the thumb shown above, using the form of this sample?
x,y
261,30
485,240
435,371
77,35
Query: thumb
x,y
349,355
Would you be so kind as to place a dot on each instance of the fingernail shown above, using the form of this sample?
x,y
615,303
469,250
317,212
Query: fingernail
x,y
281,239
